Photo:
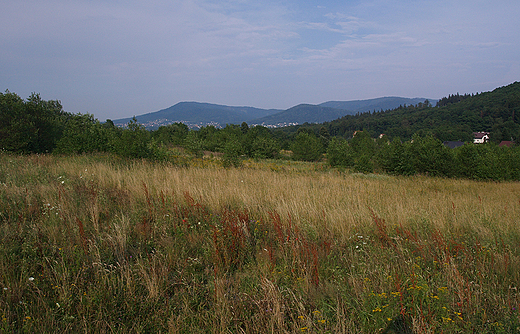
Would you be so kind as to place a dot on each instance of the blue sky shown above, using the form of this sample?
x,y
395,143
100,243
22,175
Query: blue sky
x,y
115,58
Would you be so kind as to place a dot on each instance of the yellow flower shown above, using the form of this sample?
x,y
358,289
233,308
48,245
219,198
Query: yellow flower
x,y
321,321
303,329
377,309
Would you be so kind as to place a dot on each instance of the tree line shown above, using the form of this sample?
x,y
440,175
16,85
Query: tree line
x,y
38,126
424,155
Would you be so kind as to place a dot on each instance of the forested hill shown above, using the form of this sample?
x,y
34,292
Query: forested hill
x,y
453,118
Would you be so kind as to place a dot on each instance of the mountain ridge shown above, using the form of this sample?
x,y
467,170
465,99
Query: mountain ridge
x,y
198,114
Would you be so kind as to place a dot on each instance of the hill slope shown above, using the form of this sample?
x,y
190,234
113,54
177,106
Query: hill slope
x,y
384,103
497,112
302,113
195,113
331,110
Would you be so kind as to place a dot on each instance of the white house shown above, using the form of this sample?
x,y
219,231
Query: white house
x,y
480,137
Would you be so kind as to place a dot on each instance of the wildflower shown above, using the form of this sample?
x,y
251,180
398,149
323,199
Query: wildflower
x,y
322,321
31,278
377,309
301,317
303,329
316,312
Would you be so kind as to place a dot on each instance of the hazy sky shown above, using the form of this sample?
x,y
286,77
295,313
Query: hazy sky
x,y
120,58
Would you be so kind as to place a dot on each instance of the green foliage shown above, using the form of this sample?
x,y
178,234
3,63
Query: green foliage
x,y
339,153
79,248
17,130
173,134
425,155
136,142
307,147
193,144
259,143
232,151
430,156
34,125
84,134
395,158
496,112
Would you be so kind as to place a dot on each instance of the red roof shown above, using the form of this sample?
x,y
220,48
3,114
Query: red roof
x,y
506,143
480,135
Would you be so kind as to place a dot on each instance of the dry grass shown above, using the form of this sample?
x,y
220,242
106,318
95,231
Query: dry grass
x,y
273,247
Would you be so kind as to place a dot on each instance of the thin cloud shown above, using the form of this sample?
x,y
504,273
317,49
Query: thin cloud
x,y
117,59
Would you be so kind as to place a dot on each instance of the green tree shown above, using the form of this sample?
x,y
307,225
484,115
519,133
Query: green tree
x,y
17,130
194,144
395,158
339,153
232,151
83,134
33,125
172,134
49,119
244,128
363,147
259,143
430,156
135,142
264,148
307,147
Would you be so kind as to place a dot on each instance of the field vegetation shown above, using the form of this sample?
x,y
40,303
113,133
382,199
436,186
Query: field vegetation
x,y
103,244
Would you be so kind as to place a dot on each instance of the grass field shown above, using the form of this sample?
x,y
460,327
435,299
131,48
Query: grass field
x,y
104,245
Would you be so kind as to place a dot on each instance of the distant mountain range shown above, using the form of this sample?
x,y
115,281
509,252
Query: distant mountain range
x,y
195,114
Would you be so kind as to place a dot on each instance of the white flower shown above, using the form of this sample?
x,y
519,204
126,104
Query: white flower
x,y
31,278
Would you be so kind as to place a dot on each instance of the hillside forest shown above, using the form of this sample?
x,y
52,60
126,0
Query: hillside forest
x,y
407,140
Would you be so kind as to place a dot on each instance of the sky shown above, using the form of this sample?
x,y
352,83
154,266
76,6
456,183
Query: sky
x,y
120,58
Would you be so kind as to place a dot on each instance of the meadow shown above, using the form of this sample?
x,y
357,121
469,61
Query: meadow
x,y
100,244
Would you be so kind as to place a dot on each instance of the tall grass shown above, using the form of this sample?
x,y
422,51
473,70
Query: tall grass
x,y
99,244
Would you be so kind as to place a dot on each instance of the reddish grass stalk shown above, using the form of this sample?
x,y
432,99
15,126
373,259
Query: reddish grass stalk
x,y
275,219
82,235
381,229
148,200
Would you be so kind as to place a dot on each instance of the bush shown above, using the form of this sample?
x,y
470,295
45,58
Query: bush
x,y
307,147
